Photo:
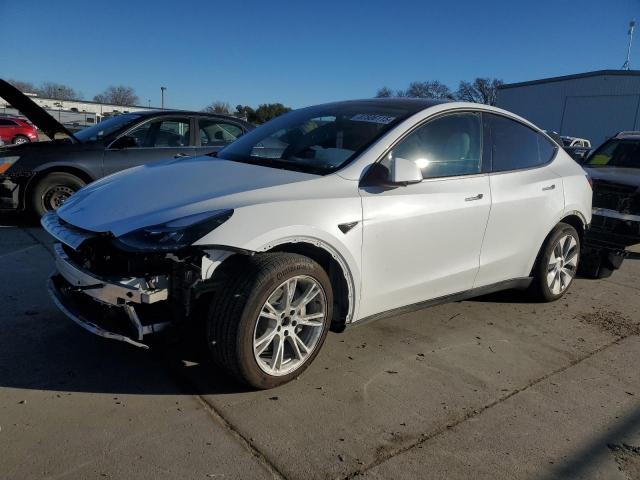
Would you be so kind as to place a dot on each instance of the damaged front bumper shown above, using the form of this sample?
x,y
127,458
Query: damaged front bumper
x,y
110,307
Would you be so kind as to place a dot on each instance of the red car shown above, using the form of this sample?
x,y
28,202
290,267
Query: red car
x,y
15,130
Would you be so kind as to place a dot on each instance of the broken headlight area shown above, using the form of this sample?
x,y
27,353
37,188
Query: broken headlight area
x,y
173,235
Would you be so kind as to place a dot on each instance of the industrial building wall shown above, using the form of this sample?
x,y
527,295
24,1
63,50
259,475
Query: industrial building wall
x,y
594,107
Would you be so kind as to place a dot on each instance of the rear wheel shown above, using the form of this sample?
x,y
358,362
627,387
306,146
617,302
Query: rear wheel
x,y
270,319
557,264
20,139
52,191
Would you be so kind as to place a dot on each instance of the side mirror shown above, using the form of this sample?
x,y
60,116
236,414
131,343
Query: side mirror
x,y
126,141
404,172
400,173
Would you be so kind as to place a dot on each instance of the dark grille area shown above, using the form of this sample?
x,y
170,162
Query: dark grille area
x,y
100,257
613,196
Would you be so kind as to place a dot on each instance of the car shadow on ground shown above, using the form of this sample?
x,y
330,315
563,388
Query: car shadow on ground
x,y
12,219
64,358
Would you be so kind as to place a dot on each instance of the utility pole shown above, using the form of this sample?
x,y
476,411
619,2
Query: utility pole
x,y
627,63
162,89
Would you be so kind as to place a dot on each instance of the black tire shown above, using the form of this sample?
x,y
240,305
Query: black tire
x,y
18,139
539,287
235,309
49,193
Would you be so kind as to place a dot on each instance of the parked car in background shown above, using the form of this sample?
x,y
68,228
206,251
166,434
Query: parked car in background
x,y
575,142
614,169
577,148
323,217
41,176
17,131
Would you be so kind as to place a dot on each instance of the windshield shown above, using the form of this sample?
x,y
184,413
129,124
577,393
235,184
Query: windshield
x,y
616,153
105,128
318,139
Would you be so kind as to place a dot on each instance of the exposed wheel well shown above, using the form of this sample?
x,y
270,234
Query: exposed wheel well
x,y
336,275
572,219
82,175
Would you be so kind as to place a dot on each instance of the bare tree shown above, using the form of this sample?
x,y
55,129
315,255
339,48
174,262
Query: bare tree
x,y
25,87
429,89
384,92
57,91
218,107
118,95
481,90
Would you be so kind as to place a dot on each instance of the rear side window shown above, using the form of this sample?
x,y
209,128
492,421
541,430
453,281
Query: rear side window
x,y
7,123
515,146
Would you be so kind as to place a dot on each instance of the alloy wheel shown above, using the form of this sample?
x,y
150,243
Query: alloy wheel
x,y
290,325
563,263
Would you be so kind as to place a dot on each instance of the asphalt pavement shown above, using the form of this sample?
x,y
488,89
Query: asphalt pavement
x,y
494,388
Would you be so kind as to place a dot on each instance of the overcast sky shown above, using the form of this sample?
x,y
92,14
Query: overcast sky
x,y
302,52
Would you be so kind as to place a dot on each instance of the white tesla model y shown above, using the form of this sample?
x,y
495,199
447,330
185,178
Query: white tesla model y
x,y
321,218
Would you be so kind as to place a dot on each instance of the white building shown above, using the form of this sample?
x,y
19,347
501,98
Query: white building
x,y
74,112
592,105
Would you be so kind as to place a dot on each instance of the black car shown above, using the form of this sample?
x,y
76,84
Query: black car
x,y
40,176
614,169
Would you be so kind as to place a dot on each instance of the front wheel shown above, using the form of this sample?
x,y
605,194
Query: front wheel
x,y
52,191
557,263
268,322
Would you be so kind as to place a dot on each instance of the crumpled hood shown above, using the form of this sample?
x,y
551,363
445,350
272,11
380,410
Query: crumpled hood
x,y
159,192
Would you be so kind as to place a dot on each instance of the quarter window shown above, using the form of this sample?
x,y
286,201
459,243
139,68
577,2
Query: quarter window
x,y
217,133
445,147
515,146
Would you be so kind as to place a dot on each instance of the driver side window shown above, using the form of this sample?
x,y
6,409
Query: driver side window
x,y
447,146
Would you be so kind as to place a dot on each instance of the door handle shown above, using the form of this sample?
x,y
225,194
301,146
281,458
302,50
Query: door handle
x,y
477,197
550,187
180,155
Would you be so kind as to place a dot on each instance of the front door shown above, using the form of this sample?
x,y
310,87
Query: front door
x,y
158,139
423,241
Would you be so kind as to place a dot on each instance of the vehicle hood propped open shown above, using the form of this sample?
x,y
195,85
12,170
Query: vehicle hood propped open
x,y
159,192
36,114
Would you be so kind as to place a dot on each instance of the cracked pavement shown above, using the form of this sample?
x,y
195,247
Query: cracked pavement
x,y
492,388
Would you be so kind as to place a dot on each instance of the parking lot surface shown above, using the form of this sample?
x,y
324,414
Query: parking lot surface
x,y
493,388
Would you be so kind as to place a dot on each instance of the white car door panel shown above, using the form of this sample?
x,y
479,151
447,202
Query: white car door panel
x,y
527,196
422,241
523,205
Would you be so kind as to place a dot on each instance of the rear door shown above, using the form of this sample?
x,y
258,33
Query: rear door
x,y
213,134
527,199
156,139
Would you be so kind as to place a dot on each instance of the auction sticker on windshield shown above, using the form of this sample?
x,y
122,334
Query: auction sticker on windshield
x,y
373,118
